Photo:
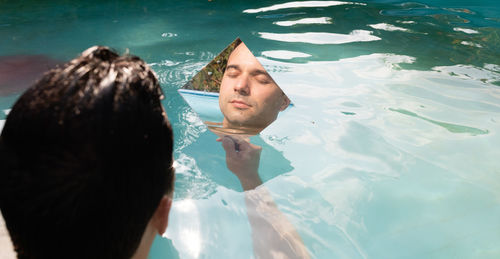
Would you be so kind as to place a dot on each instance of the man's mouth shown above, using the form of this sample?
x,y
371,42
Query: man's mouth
x,y
240,104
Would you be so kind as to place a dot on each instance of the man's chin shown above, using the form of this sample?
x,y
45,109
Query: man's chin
x,y
237,121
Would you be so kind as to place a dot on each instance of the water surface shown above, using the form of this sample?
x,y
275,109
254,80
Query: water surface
x,y
390,150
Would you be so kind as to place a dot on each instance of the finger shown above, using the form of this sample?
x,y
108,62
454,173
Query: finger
x,y
229,145
247,147
255,147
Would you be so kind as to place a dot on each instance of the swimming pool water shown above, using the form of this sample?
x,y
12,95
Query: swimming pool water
x,y
391,148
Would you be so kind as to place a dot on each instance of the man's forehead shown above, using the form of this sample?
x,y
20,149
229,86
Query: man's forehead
x,y
241,55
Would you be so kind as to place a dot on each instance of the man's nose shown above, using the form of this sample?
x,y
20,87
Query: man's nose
x,y
242,85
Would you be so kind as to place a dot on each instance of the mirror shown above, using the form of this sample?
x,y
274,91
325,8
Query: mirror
x,y
236,99
234,94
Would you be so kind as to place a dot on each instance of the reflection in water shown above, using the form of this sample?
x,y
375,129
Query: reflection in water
x,y
188,239
368,181
387,27
454,128
298,4
220,130
429,27
320,20
321,37
397,186
201,177
249,100
468,31
489,73
385,170
273,235
468,43
284,54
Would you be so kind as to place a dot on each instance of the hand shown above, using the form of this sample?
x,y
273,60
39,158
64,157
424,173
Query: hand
x,y
242,158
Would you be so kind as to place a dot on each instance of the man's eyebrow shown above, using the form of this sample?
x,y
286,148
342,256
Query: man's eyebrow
x,y
233,67
254,72
257,72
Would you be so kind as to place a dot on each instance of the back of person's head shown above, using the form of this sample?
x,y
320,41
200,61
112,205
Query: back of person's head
x,y
85,158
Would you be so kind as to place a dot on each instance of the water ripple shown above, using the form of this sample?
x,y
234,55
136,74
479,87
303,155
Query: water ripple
x,y
284,54
453,128
464,30
321,37
387,27
298,4
319,20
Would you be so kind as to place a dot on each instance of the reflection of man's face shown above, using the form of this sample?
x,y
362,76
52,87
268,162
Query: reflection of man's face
x,y
248,96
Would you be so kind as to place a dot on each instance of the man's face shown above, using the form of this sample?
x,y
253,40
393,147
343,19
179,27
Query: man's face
x,y
248,96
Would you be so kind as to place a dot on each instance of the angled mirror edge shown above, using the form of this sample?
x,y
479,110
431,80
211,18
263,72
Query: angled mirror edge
x,y
208,79
194,89
291,105
205,74
203,109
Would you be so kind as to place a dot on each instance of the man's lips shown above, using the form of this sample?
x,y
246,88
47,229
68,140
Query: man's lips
x,y
240,104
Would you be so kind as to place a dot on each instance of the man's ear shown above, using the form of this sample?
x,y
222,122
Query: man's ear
x,y
285,103
160,217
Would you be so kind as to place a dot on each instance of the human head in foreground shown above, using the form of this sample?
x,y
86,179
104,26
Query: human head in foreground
x,y
86,161
248,97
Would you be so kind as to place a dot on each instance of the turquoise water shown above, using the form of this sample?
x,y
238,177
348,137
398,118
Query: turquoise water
x,y
391,148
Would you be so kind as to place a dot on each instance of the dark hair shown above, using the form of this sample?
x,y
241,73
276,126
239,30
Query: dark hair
x,y
85,158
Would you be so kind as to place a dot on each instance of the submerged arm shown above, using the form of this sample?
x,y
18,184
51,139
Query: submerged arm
x,y
273,234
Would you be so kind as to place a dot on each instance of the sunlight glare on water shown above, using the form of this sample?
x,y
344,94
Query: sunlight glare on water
x,y
408,157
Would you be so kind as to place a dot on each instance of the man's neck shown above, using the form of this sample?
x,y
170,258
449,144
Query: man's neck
x,y
147,239
249,130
